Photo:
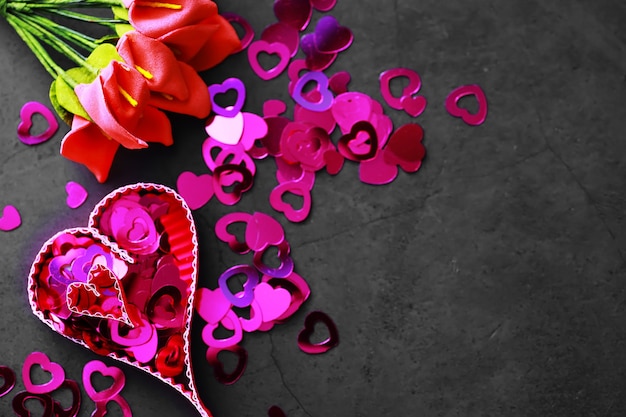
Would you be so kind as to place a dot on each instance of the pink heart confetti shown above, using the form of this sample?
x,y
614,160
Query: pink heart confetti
x,y
280,32
227,130
10,219
26,123
56,371
457,94
76,194
273,302
279,49
197,190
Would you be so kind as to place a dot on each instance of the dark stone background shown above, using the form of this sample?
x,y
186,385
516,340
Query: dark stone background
x,y
490,283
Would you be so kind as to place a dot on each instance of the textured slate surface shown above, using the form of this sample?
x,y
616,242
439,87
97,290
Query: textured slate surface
x,y
489,283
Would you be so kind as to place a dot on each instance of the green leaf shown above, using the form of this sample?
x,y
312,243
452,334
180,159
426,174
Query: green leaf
x,y
65,95
121,29
102,55
120,12
61,111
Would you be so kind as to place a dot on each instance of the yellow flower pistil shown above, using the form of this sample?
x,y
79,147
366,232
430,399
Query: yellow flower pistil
x,y
147,74
128,97
158,4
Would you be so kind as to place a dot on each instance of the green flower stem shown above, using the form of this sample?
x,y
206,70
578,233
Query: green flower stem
x,y
79,39
109,22
38,50
26,6
58,44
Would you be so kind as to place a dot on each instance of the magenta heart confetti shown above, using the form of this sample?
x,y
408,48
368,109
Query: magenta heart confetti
x,y
76,194
296,13
468,90
10,219
197,190
280,32
279,49
26,115
41,359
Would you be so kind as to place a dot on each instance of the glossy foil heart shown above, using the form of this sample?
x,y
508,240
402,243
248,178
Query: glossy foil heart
x,y
144,236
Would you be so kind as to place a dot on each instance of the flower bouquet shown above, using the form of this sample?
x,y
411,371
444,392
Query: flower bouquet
x,y
124,82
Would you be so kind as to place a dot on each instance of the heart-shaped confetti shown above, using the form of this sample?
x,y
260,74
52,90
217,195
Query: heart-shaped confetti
x,y
304,337
76,194
218,366
26,123
96,366
280,32
280,205
234,84
275,411
197,190
212,305
457,94
57,373
414,106
326,96
72,411
20,400
8,380
338,83
10,219
377,171
296,13
405,147
362,138
248,35
315,59
414,85
323,5
226,130
330,37
123,226
279,49
273,302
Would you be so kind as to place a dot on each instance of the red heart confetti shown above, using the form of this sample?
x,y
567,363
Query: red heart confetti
x,y
304,337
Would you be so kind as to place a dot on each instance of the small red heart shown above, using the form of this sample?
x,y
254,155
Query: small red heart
x,y
304,337
338,83
20,399
8,376
275,411
296,13
364,134
405,147
218,366
414,106
334,161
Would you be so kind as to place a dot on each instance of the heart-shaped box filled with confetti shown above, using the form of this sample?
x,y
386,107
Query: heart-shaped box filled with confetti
x,y
124,285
